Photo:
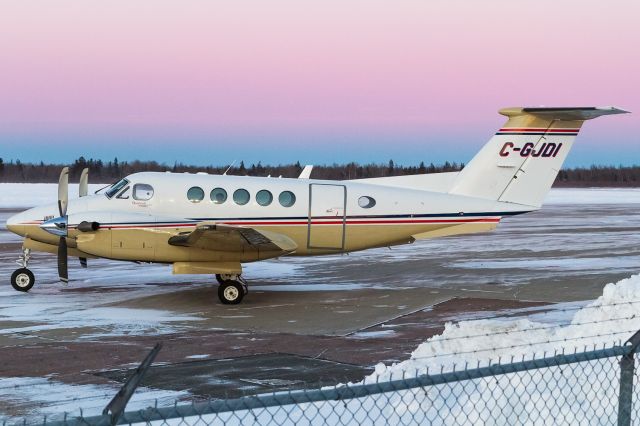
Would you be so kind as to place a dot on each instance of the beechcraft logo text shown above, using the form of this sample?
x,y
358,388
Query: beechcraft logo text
x,y
549,149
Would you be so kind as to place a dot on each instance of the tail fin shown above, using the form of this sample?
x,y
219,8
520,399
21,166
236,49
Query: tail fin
x,y
520,163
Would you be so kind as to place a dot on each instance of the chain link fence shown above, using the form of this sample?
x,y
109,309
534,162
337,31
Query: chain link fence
x,y
596,386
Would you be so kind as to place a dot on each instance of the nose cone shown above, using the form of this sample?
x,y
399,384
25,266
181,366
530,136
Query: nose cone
x,y
14,224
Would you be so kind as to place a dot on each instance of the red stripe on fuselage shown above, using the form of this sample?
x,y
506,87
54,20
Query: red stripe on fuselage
x,y
531,129
316,222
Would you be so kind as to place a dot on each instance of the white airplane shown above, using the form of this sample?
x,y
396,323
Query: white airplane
x,y
212,224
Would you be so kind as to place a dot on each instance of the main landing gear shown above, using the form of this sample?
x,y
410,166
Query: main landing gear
x,y
22,279
232,288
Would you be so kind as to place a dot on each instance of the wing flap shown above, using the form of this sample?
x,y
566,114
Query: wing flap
x,y
211,236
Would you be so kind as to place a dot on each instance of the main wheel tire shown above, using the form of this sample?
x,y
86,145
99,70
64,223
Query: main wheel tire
x,y
22,280
230,293
223,278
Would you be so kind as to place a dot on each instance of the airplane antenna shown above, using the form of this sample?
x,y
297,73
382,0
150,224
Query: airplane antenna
x,y
229,168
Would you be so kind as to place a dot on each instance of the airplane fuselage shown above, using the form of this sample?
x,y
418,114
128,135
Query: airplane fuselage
x,y
321,217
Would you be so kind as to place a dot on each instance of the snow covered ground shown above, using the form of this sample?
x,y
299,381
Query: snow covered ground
x,y
34,194
593,196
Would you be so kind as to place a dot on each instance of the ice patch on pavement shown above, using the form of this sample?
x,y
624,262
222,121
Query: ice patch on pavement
x,y
310,287
361,335
281,269
567,264
35,397
198,356
85,304
110,321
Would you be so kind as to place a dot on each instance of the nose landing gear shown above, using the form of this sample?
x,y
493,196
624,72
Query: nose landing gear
x,y
232,288
22,279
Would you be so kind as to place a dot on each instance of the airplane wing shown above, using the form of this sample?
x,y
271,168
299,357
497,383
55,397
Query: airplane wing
x,y
212,236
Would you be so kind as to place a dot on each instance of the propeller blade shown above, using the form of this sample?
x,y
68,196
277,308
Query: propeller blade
x,y
63,271
83,262
84,183
63,191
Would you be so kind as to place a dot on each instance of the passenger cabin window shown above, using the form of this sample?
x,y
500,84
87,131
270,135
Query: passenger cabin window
x,y
142,192
366,202
264,197
195,194
218,196
241,197
116,187
287,198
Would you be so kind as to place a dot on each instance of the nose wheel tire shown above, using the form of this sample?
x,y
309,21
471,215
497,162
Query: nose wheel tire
x,y
231,292
22,280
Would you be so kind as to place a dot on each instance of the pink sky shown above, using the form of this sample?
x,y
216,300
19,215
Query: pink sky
x,y
242,79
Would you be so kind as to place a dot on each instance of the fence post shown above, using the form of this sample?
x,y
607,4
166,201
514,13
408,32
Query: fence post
x,y
627,371
119,402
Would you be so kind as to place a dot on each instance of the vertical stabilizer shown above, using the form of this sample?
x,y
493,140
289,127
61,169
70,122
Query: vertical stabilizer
x,y
521,161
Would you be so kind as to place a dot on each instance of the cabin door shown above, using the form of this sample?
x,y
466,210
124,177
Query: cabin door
x,y
327,216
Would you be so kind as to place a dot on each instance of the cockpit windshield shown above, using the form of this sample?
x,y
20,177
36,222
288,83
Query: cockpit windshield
x,y
116,187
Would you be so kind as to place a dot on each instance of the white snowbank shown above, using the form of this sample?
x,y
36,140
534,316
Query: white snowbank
x,y
14,195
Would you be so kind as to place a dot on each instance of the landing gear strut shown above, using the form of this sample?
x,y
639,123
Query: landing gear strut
x,y
232,288
22,279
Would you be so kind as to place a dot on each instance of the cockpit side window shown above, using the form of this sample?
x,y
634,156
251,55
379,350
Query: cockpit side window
x,y
142,191
116,187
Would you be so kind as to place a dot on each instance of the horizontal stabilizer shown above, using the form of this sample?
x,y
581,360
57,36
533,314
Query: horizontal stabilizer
x,y
563,113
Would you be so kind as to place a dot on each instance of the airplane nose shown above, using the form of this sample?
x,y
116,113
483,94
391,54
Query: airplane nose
x,y
14,224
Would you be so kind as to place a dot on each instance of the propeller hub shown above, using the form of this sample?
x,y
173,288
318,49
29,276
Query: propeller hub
x,y
56,226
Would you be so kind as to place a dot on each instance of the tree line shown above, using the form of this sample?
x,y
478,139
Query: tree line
x,y
110,171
